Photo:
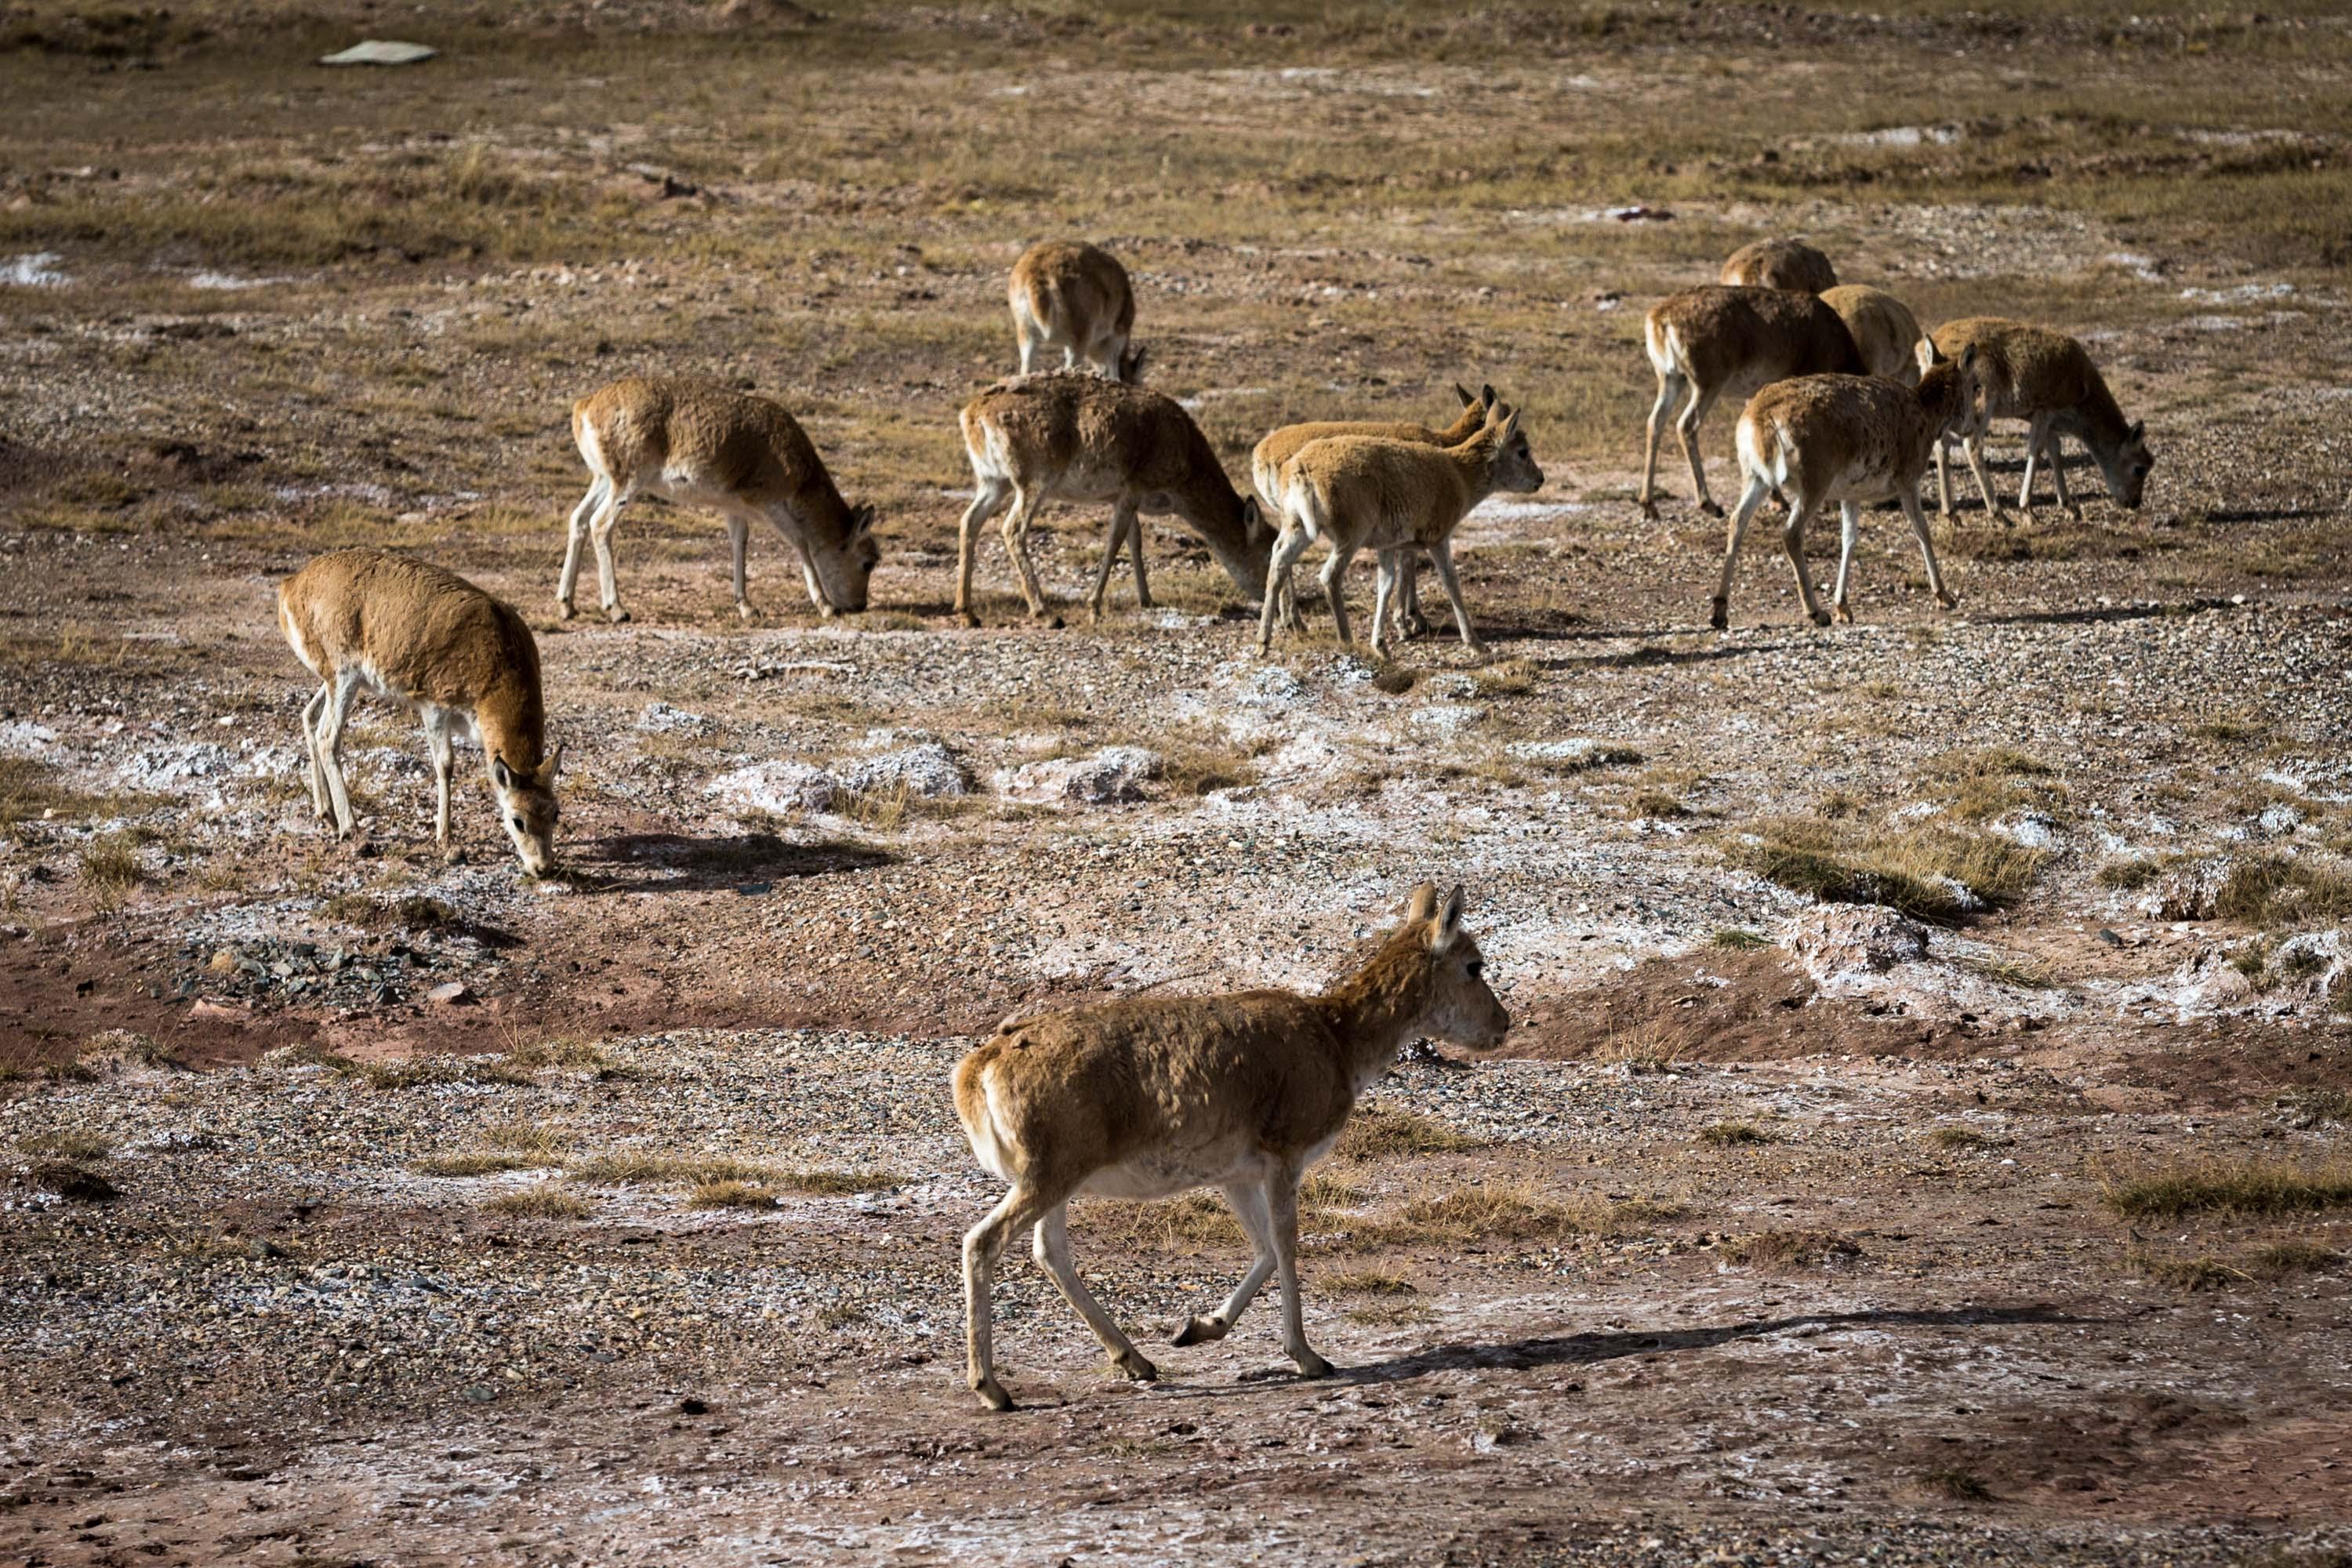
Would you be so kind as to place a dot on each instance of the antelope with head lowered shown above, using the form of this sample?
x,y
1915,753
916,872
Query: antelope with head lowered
x,y
1282,445
1847,439
363,620
1075,296
1779,264
2046,379
1363,492
1075,436
1715,341
744,457
1150,1096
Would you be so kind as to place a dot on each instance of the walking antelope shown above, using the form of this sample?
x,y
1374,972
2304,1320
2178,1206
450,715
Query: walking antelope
x,y
1779,264
1149,1097
1885,331
1282,445
1717,340
1075,296
1075,436
1363,492
1848,439
363,620
745,456
2046,379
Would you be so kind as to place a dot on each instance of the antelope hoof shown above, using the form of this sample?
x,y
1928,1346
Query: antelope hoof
x,y
615,613
1648,509
1821,618
970,617
1312,1365
1146,601
989,1389
1415,625
826,612
1711,508
1845,612
1134,1367
563,610
1719,616
1479,650
1949,600
1202,1331
744,611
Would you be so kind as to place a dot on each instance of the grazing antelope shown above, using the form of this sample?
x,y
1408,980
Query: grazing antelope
x,y
1779,264
1363,492
693,443
1717,340
2046,379
1075,296
364,620
1848,439
1147,1098
1282,445
1077,436
1885,331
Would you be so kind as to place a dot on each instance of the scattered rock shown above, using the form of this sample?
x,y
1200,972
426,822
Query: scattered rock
x,y
777,786
2029,829
455,993
1111,775
380,52
664,719
927,769
1837,942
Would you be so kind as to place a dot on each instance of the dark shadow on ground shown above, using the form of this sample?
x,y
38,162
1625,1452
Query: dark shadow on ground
x,y
676,862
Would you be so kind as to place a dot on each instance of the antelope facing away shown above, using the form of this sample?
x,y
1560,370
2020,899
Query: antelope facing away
x,y
1717,340
1779,264
1076,437
1848,439
1363,492
364,620
1282,445
2046,379
1075,296
1147,1098
1885,331
696,444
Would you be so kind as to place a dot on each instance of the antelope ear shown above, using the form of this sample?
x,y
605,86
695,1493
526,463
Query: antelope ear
x,y
1132,364
1423,906
1448,921
1510,426
1968,356
1487,394
2139,429
545,778
501,775
861,520
1464,394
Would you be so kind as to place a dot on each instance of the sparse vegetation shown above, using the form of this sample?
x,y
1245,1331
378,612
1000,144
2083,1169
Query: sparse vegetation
x,y
66,1143
473,1163
1734,1134
1787,1250
1507,678
731,1194
1958,1138
2241,1187
1380,1132
1955,1485
1929,872
1735,938
542,1200
2278,891
2189,1274
109,869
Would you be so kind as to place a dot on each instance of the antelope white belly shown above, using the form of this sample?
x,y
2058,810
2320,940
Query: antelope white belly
x,y
1164,1172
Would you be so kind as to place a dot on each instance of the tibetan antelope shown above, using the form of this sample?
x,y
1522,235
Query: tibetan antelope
x,y
1848,439
1361,492
2046,379
1282,445
1075,296
1149,1097
1779,264
1885,331
1072,435
1717,340
363,620
745,456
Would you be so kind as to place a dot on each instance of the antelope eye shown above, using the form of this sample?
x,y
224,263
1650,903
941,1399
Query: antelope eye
x,y
1477,967
517,823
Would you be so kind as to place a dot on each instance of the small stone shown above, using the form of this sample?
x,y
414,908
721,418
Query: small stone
x,y
451,995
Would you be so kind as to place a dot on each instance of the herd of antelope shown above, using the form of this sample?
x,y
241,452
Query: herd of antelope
x,y
1846,402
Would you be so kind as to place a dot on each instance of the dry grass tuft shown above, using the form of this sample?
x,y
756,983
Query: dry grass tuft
x,y
1732,1134
2249,1187
1196,760
109,869
2275,890
566,1053
1787,1250
1367,1282
731,1195
67,1144
1378,1132
1735,938
1927,872
1490,1212
1957,1138
1511,677
543,1200
2191,1274
2285,1258
474,1163
843,1184
1955,1485
637,1168
73,1181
